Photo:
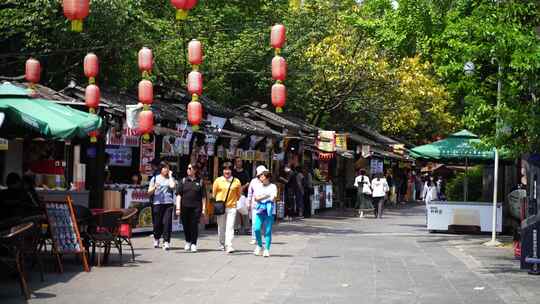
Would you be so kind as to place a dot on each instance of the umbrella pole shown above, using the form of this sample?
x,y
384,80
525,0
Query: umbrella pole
x,y
466,181
494,241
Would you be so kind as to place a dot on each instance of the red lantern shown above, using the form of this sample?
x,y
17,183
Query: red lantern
x,y
91,67
183,7
279,96
92,97
279,68
195,52
76,11
146,122
146,60
195,83
278,36
146,92
195,113
32,71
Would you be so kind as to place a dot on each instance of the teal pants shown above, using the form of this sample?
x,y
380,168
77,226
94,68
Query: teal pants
x,y
267,220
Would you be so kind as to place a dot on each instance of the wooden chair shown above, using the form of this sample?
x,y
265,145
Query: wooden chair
x,y
12,240
126,226
103,234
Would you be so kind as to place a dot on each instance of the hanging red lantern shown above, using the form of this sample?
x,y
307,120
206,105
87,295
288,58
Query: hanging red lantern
x,y
279,96
278,36
146,61
195,114
92,96
146,92
32,72
195,53
183,7
195,83
76,11
146,123
91,67
279,68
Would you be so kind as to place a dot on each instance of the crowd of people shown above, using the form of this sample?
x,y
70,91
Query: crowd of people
x,y
373,194
232,187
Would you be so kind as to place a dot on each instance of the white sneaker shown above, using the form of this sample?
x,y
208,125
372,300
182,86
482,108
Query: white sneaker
x,y
156,243
253,242
266,253
230,249
221,247
166,246
187,247
257,251
193,248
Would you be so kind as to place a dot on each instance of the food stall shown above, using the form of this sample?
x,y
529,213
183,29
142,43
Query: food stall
x,y
470,216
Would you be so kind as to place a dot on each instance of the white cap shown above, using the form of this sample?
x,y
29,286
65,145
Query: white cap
x,y
260,170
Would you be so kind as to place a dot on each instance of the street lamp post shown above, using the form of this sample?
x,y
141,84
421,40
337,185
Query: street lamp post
x,y
468,69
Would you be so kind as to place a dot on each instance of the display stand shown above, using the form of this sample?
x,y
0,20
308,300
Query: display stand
x,y
65,234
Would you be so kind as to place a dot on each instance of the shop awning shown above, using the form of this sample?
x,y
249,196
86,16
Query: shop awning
x,y
26,115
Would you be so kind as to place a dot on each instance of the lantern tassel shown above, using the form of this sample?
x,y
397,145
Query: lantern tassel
x,y
181,14
77,25
279,110
195,97
195,67
146,137
146,107
93,139
277,51
92,80
195,128
92,110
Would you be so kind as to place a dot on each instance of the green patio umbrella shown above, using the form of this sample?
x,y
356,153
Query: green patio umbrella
x,y
460,147
26,115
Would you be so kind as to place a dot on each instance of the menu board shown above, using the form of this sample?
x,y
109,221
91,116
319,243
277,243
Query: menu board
x,y
119,156
64,230
148,153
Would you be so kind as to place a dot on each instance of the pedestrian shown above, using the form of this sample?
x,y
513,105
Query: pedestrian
x,y
299,192
190,194
380,189
227,189
308,192
363,193
243,176
440,188
264,196
255,182
430,191
289,179
162,189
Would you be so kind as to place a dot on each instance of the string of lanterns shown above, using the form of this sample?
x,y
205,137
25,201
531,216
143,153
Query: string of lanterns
x,y
146,93
32,72
279,67
76,11
183,7
195,84
92,94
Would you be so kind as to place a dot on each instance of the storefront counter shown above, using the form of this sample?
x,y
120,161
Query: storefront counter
x,y
470,216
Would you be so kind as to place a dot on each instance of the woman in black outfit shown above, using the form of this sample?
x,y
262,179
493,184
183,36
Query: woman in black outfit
x,y
189,205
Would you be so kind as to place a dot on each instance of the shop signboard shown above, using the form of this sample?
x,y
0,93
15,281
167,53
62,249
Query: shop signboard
x,y
4,144
326,141
210,140
139,198
125,136
376,166
366,151
119,156
341,142
148,153
329,194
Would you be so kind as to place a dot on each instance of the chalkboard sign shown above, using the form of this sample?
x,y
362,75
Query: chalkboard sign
x,y
64,230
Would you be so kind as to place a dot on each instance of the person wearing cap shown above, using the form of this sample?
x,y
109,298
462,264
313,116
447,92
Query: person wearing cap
x,y
264,196
227,188
255,182
162,188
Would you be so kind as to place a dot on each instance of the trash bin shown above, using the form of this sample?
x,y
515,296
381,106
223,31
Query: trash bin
x,y
530,249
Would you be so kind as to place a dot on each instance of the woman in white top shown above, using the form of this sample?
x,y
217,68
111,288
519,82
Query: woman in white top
x,y
363,193
264,196
430,191
380,188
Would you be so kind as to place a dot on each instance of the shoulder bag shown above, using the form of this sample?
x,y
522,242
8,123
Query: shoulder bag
x,y
219,206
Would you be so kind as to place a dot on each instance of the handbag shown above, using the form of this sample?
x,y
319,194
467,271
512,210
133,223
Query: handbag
x,y
241,205
219,206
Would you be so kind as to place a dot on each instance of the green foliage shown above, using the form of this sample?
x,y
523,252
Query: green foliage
x,y
454,187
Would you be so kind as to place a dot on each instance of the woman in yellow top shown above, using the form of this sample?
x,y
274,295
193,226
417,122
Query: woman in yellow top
x,y
226,221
